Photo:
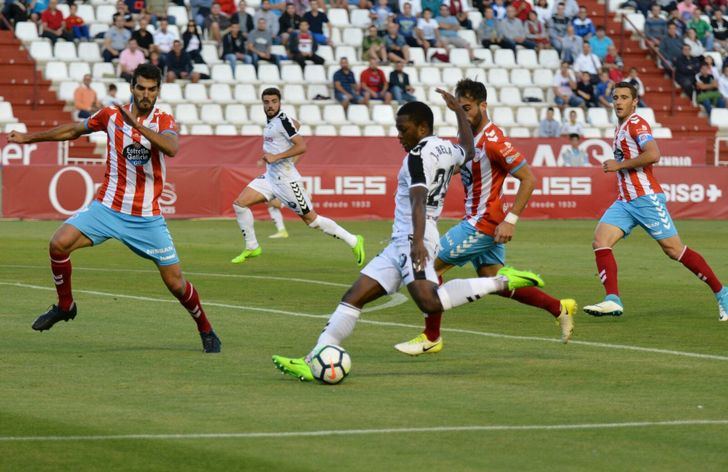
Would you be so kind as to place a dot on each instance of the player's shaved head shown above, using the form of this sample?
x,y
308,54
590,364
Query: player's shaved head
x,y
471,89
418,113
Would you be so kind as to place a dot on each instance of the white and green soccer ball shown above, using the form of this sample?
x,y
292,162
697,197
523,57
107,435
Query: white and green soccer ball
x,y
331,364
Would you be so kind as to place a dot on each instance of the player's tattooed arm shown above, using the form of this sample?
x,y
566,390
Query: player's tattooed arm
x,y
65,132
168,143
465,131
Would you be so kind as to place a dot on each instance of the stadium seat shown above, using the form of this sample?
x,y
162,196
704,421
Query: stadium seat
x,y
374,130
327,53
226,130
549,59
414,75
318,91
383,115
289,110
96,29
649,115
66,90
475,18
257,115
504,58
196,93
533,92
334,114
201,130
103,70
220,93
349,130
89,51
222,73
510,96
210,54
171,93
591,132
20,127
485,56
430,76
26,31
527,58
6,113
469,36
335,37
165,107
309,114
251,130
268,74
450,118
519,132
64,9
41,51
417,56
86,12
503,116
717,59
598,118
451,76
211,113
325,130
236,114
526,116
348,52
719,117
100,89
543,77
245,74
245,93
179,13
638,20
305,130
76,70
459,57
294,94
291,74
498,78
314,74
186,113
447,132
358,114
419,92
123,91
338,17
56,71
475,73
65,51
437,115
579,114
360,18
105,13
521,77
662,133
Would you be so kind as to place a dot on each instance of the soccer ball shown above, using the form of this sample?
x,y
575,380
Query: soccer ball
x,y
330,364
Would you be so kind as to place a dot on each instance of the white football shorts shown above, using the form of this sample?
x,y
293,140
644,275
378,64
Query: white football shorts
x,y
292,194
392,268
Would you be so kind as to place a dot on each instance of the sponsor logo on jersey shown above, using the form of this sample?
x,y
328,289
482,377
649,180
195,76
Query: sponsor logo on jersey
x,y
137,154
644,138
618,155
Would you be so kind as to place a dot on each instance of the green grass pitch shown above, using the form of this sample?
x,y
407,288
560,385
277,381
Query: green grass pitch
x,y
505,393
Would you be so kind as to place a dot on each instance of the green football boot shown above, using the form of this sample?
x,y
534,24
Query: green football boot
x,y
520,278
247,254
296,367
358,250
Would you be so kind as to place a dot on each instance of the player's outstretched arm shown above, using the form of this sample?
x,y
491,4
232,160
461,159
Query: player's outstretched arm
x,y
168,143
465,132
65,132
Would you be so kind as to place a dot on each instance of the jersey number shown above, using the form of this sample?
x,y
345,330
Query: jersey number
x,y
441,182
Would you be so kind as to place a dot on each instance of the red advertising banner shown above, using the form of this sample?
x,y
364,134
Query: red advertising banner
x,y
12,154
353,192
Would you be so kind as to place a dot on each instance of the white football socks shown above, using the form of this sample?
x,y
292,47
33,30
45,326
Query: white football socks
x,y
461,291
340,325
330,227
277,217
245,221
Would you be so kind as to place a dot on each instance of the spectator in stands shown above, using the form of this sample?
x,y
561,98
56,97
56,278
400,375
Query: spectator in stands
x,y
399,84
143,37
702,29
571,8
572,126
316,20
587,61
536,32
302,6
122,9
157,60
381,14
244,19
614,64
686,9
228,7
671,45
720,32
488,32
346,90
564,85
571,45
573,156
84,98
16,10
200,10
115,39
407,22
218,22
557,25
643,6
655,26
711,62
179,64
111,99
585,91
129,59
723,82
677,20
707,89
374,83
288,23
583,25
135,7
373,46
513,31
637,82
75,26
302,47
260,43
52,21
271,19
600,43
696,47
415,10
427,30
686,67
192,42
549,127
396,46
458,9
543,11
157,9
36,8
448,27
234,47
523,8
164,37
499,9
604,89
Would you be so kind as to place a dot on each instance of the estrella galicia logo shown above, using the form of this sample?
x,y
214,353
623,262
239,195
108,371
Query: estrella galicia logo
x,y
618,155
137,154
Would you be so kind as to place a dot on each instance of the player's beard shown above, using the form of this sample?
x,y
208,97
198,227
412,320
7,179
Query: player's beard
x,y
147,105
273,113
478,122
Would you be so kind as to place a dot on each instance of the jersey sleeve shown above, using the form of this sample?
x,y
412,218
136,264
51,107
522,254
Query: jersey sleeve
x,y
167,124
459,155
640,131
288,126
505,155
416,167
99,121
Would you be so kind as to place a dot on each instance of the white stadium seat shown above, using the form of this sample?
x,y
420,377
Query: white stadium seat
x,y
165,107
89,51
437,116
719,117
374,130
504,58
334,114
96,29
55,71
485,56
171,93
591,132
251,130
245,93
6,113
475,18
220,93
447,132
26,31
326,53
649,115
318,91
123,91
201,69
291,74
226,130
662,133
65,51
579,114
315,74
103,70
360,18
257,114
186,113
527,58
430,76
325,130
86,12
503,116
294,94
417,55
76,70
413,75
203,130
534,92
41,51
349,130
179,13
598,118
236,114
469,36
66,91
543,77
451,76
338,17
519,132
20,127
521,77
549,59
268,73
383,115
347,52
310,114
352,37
498,77
460,57
211,113
222,73
358,114
196,93
104,13
210,54
526,116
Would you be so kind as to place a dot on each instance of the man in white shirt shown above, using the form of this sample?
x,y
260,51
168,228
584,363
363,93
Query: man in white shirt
x,y
587,61
163,37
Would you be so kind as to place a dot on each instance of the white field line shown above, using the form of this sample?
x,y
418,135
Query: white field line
x,y
625,347
354,432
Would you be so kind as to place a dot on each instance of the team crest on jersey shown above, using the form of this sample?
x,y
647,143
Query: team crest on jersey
x,y
137,154
618,155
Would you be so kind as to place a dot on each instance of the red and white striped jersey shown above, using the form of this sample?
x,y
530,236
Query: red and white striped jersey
x,y
135,170
495,157
629,139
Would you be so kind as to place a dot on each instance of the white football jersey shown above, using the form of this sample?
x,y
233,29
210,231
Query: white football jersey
x,y
430,164
278,137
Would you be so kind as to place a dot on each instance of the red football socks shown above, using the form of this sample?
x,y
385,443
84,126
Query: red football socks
x,y
432,325
61,269
607,267
697,265
191,301
535,297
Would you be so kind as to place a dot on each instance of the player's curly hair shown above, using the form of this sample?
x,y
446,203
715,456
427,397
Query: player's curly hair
x,y
628,85
472,90
418,113
148,71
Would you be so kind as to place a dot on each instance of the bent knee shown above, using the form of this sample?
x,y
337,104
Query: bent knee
x,y
59,245
673,252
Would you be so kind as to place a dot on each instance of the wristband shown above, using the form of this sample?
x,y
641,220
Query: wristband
x,y
511,218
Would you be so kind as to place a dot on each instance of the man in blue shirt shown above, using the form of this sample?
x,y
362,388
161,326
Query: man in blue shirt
x,y
316,19
407,24
583,26
346,90
600,43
